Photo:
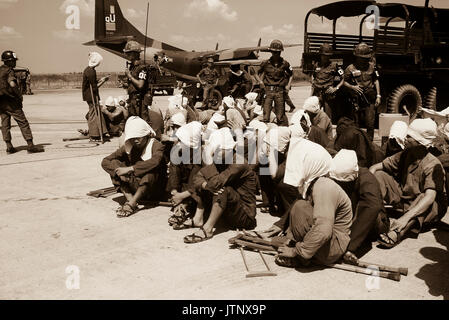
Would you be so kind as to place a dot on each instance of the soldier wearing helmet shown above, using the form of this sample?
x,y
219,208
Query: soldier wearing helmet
x,y
362,80
208,77
276,76
327,79
11,104
138,78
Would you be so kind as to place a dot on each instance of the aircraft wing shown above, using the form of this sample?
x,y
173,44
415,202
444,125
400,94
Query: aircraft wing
x,y
239,53
246,62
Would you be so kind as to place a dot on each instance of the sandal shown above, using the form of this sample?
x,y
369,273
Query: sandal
x,y
127,210
194,238
387,242
186,224
288,262
176,220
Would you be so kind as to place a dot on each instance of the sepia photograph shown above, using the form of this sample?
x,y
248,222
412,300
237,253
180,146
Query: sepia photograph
x,y
237,151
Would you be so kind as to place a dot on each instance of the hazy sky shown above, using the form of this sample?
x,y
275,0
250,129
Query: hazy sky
x,y
35,29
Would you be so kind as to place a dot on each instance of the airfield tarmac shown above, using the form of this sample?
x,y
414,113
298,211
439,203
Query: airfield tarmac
x,y
47,223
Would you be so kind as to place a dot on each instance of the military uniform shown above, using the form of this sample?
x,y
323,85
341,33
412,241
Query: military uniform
x,y
11,105
275,78
363,105
139,71
210,76
323,79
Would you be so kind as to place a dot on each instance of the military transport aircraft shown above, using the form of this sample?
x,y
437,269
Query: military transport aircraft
x,y
113,30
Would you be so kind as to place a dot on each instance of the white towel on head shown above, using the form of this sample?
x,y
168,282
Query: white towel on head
x,y
229,101
110,102
398,131
306,161
178,119
423,130
300,115
344,166
216,117
221,139
251,96
297,131
278,138
95,59
190,134
136,127
312,104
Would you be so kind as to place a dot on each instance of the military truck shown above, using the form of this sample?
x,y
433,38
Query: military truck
x,y
410,46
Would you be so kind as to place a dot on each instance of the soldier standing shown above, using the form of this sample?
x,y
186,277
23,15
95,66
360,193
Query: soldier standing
x,y
276,74
208,77
323,79
11,104
362,79
137,80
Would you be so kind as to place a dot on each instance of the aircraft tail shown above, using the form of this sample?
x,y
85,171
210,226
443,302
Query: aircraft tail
x,y
112,28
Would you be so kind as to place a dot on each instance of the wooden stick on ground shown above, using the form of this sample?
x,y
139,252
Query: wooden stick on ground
x,y
383,274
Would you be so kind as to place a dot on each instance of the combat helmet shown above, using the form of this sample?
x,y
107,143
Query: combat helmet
x,y
326,49
276,45
362,50
9,55
132,46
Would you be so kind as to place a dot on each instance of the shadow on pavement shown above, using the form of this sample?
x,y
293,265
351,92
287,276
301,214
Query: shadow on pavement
x,y
435,274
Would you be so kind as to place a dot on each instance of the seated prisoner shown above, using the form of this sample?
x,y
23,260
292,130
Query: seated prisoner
x,y
369,216
185,162
231,186
136,167
412,181
319,223
115,116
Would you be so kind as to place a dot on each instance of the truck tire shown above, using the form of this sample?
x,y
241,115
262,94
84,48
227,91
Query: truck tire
x,y
431,99
405,95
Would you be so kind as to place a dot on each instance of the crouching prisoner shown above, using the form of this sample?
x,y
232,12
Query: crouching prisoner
x,y
137,167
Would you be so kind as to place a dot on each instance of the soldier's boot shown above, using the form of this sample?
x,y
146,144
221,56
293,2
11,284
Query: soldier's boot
x,y
32,148
10,148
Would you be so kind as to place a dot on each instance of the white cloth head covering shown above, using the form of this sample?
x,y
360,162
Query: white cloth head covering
x,y
344,166
229,101
110,102
221,139
216,117
306,161
95,59
398,131
251,96
423,130
298,116
278,138
190,134
258,110
312,104
136,127
178,119
297,132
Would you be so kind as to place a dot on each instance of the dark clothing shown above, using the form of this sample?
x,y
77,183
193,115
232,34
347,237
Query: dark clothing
x,y
180,177
93,123
367,207
324,76
10,108
276,74
209,75
322,120
321,225
139,71
351,137
90,80
276,96
11,105
156,122
407,175
288,101
238,200
364,105
149,172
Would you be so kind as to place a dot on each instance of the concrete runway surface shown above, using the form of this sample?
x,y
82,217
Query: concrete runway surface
x,y
47,224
